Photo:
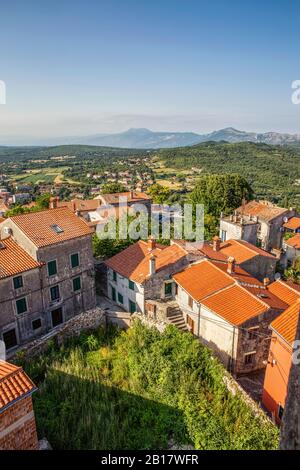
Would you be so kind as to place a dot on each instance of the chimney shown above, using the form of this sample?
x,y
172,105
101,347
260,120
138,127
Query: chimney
x,y
231,265
152,265
266,281
216,243
151,243
53,202
73,205
131,194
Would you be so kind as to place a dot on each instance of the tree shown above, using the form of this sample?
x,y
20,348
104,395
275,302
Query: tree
x,y
221,193
110,188
160,194
293,273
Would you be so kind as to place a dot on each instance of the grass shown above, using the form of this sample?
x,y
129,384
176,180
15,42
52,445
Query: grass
x,y
137,390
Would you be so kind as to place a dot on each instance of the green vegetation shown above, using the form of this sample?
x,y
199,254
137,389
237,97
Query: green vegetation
x,y
110,188
41,203
272,171
137,390
160,194
293,273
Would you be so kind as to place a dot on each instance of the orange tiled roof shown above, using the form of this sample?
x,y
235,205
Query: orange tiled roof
x,y
81,205
202,279
13,259
14,384
286,291
294,241
286,324
242,251
38,226
133,262
264,211
239,274
114,198
293,223
235,304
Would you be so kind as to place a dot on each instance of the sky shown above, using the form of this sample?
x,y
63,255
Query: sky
x,y
75,68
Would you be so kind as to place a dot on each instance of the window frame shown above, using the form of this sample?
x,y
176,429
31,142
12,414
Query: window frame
x,y
78,257
73,281
131,285
22,283
169,285
51,290
49,262
15,335
122,297
35,320
17,303
114,276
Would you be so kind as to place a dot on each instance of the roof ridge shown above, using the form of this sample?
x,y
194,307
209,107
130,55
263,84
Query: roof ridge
x,y
254,296
288,285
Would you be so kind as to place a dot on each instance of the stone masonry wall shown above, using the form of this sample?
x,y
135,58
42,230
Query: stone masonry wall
x,y
17,427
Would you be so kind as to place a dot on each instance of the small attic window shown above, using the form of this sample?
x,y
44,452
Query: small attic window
x,y
56,228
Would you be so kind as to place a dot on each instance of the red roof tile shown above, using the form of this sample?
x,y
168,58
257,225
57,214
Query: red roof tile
x,y
39,226
286,291
286,324
13,259
293,223
133,262
294,242
14,384
262,210
235,304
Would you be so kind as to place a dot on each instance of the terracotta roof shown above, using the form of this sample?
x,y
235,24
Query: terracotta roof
x,y
202,279
262,210
293,223
80,205
133,262
286,291
286,324
294,241
39,227
242,251
239,274
208,251
235,304
114,198
14,384
13,259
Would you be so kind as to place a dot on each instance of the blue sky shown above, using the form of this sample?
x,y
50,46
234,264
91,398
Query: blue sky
x,y
85,67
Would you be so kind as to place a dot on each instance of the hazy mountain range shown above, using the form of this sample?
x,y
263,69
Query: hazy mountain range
x,y
145,139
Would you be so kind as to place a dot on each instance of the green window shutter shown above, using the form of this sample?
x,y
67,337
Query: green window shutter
x,y
52,268
76,284
132,306
21,305
131,285
75,260
120,298
168,288
18,282
113,293
115,276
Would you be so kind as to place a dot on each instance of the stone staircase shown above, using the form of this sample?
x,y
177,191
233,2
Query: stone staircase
x,y
175,317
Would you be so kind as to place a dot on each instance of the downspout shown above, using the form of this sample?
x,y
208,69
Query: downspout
x,y
199,316
232,352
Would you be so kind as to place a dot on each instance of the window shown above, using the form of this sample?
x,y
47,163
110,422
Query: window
x,y
113,293
76,284
252,333
52,268
54,293
168,288
120,298
190,302
56,228
75,260
280,411
21,305
36,324
115,276
249,358
10,339
132,306
18,282
131,285
223,235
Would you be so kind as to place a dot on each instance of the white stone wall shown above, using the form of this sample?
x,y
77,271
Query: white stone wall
x,y
122,286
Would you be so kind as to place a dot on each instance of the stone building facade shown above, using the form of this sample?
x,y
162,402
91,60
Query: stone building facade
x,y
17,420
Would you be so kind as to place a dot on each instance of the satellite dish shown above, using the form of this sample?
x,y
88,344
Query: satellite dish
x,y
285,219
277,276
2,351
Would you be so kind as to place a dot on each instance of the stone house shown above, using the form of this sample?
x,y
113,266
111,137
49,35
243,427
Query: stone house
x,y
229,310
292,225
291,250
257,222
260,263
61,244
21,302
17,421
130,199
144,271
